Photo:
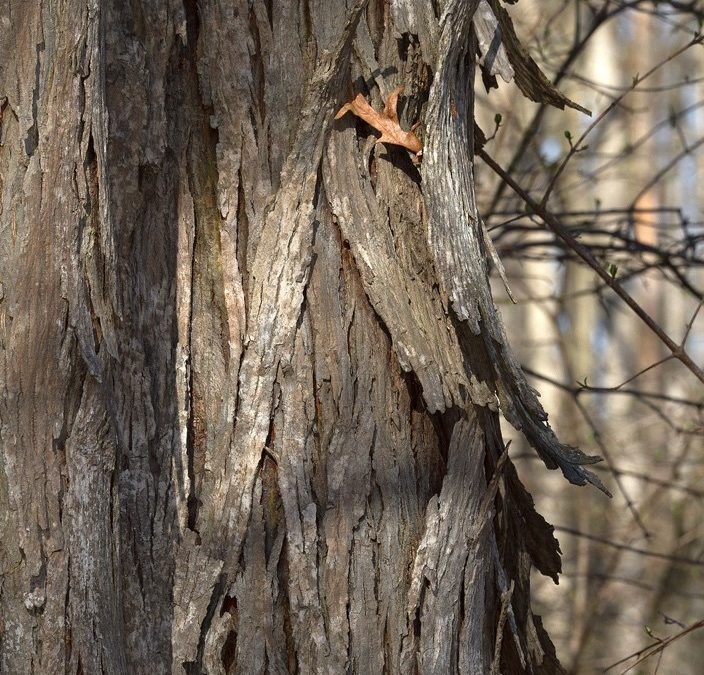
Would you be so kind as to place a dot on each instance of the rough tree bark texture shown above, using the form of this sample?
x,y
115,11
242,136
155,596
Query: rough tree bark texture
x,y
249,361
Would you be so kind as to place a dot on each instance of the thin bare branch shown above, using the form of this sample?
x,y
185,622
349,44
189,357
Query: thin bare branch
x,y
654,648
678,351
631,549
575,147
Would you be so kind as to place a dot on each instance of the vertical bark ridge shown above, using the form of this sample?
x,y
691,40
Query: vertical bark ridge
x,y
41,388
455,544
274,302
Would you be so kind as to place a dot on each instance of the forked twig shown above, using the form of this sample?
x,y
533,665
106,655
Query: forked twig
x,y
575,147
655,648
678,351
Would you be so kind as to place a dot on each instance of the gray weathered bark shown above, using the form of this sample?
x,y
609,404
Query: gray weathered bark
x,y
249,360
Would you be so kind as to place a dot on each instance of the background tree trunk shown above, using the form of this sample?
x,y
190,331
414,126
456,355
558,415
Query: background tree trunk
x,y
250,365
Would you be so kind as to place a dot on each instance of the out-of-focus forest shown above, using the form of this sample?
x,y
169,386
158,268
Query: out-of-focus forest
x,y
627,183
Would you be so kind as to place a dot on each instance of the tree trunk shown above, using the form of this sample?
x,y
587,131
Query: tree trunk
x,y
250,365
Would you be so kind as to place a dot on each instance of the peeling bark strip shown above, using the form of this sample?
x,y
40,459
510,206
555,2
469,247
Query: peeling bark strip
x,y
250,368
530,79
456,240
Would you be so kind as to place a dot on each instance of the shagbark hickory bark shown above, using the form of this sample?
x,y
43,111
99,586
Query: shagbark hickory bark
x,y
250,364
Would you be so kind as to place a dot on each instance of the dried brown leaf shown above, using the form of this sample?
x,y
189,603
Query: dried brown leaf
x,y
385,122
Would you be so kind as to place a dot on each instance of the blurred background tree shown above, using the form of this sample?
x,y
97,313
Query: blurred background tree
x,y
633,194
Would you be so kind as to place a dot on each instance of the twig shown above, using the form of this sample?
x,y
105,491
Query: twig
x,y
588,389
578,45
575,147
632,549
666,484
665,169
655,648
610,462
678,351
634,145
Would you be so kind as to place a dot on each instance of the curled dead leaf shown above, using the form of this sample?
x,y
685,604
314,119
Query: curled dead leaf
x,y
385,122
